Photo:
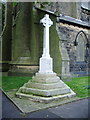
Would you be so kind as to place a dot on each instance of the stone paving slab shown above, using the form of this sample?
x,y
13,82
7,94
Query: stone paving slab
x,y
76,109
27,105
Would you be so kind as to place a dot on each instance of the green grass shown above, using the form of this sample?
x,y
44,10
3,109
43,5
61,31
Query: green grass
x,y
0,81
80,86
11,82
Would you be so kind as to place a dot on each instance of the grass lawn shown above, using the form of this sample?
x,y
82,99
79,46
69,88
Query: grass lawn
x,y
13,82
80,85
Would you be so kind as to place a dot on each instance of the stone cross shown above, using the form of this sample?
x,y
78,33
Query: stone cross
x,y
46,21
46,62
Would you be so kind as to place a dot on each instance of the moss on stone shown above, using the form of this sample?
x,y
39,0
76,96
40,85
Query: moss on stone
x,y
27,39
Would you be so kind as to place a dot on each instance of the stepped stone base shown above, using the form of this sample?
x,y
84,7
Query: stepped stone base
x,y
45,88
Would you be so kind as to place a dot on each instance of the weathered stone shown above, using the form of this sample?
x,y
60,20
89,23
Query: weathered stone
x,y
44,86
45,78
46,99
65,74
78,62
26,49
47,93
85,11
27,44
46,61
6,37
80,49
42,89
45,82
69,8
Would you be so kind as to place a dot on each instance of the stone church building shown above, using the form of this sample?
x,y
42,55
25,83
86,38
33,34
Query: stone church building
x,y
22,38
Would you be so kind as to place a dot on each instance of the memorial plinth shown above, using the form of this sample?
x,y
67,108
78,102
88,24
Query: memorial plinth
x,y
45,86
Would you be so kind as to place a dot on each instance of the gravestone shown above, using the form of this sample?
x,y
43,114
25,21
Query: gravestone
x,y
45,86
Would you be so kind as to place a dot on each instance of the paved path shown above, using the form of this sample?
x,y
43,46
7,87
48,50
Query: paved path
x,y
77,109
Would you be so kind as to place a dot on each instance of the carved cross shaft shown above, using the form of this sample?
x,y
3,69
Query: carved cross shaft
x,y
46,21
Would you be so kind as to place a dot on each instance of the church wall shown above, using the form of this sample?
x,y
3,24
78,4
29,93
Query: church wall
x,y
27,40
66,8
85,11
27,35
0,28
27,43
78,66
7,38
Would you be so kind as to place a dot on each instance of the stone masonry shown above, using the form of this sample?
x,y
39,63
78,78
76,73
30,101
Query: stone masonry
x,y
45,85
68,34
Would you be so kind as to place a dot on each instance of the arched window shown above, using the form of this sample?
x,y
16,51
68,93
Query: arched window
x,y
80,49
81,40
